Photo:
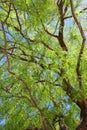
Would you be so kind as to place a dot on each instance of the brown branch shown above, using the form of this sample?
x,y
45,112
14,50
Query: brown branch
x,y
7,90
2,49
47,46
60,36
17,17
24,36
3,9
67,17
5,48
8,68
61,27
65,10
44,120
82,46
69,88
49,33
77,22
80,12
8,13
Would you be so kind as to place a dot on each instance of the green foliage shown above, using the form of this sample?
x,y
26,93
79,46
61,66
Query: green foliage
x,y
33,66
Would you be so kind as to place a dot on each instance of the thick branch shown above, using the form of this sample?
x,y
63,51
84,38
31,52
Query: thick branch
x,y
61,27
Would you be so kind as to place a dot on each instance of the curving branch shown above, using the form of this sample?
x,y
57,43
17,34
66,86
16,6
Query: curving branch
x,y
5,48
49,33
44,120
23,35
82,46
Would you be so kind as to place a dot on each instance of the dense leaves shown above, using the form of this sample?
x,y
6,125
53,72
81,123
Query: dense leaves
x,y
42,64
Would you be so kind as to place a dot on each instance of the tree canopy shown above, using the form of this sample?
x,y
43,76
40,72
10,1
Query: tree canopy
x,y
43,64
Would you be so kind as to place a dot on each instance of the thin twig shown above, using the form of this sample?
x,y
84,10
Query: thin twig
x,y
80,12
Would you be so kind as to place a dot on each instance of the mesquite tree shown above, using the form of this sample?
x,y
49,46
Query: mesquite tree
x,y
43,63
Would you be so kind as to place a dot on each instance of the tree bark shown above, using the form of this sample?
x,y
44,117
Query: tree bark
x,y
83,115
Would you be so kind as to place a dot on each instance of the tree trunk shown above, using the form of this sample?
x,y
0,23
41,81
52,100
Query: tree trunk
x,y
83,116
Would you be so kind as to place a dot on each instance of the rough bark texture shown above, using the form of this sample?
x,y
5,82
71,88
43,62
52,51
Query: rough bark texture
x,y
83,121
